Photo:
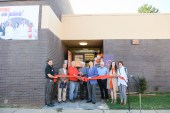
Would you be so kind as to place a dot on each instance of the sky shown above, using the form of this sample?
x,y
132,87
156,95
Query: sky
x,y
116,6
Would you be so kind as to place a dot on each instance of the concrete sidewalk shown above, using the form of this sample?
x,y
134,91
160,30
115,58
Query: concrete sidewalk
x,y
22,110
79,105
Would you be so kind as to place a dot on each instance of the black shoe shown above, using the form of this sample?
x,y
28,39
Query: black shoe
x,y
93,102
50,105
72,101
88,101
59,102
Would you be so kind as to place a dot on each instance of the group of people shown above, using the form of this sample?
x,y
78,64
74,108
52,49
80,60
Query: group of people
x,y
17,31
117,80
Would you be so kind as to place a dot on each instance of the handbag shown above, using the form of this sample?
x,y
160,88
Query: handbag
x,y
63,85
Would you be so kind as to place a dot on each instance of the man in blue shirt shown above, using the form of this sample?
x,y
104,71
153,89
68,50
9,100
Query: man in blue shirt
x,y
103,83
91,84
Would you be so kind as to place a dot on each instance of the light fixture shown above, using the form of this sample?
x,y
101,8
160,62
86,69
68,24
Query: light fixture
x,y
83,43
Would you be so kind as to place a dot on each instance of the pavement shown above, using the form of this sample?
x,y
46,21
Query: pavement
x,y
76,107
79,105
22,110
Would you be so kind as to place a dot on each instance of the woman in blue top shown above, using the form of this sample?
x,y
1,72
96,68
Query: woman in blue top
x,y
122,82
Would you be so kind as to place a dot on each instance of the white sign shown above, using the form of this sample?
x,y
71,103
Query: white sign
x,y
19,22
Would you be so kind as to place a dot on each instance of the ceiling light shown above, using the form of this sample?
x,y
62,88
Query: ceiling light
x,y
83,43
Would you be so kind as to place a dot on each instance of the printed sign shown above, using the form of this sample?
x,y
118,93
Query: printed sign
x,y
19,22
78,60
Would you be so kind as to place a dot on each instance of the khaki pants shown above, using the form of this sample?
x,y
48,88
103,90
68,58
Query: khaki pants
x,y
62,93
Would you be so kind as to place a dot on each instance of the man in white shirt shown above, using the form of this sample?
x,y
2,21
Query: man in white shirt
x,y
23,30
9,31
103,82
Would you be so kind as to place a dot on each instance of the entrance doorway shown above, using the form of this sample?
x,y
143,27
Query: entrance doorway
x,y
83,53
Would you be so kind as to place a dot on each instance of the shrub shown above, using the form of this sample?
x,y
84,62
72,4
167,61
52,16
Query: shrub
x,y
156,88
142,84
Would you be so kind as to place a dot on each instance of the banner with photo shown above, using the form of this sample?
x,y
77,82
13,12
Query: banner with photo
x,y
19,22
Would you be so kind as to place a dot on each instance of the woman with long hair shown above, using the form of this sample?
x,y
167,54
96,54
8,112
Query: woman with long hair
x,y
112,81
122,82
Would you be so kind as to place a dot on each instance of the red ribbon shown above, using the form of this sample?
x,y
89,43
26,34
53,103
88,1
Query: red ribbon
x,y
121,77
85,79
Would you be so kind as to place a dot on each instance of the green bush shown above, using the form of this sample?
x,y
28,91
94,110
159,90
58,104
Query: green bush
x,y
156,88
142,84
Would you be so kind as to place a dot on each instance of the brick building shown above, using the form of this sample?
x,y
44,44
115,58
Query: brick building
x,y
22,62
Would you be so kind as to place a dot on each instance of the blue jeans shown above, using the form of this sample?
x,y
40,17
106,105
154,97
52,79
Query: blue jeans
x,y
73,90
122,90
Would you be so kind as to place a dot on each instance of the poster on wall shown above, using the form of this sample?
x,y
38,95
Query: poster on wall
x,y
78,59
108,58
19,22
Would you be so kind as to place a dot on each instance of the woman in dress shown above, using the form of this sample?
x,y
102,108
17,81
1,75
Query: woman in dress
x,y
112,81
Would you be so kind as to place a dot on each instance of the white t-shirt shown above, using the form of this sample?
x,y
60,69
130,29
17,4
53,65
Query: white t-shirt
x,y
64,71
9,32
123,72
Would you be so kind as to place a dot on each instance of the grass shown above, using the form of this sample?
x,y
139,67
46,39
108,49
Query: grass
x,y
149,102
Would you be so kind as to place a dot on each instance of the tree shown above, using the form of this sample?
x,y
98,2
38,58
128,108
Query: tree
x,y
147,9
